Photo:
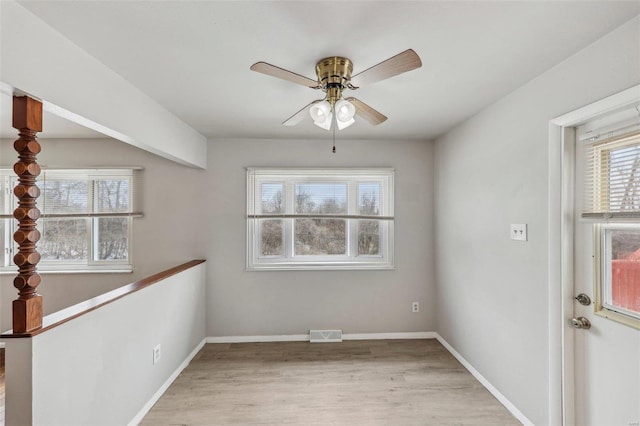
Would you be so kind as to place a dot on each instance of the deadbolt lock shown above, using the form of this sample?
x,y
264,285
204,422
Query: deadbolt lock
x,y
583,299
580,323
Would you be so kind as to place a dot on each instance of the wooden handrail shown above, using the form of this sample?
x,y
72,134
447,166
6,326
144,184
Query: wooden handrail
x,y
77,310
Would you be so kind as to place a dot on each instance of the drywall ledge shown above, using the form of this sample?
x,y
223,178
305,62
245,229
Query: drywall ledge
x,y
40,62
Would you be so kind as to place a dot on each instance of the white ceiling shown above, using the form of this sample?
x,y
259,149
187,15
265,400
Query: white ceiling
x,y
193,57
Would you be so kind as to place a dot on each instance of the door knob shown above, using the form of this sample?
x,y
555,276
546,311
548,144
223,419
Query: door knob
x,y
580,323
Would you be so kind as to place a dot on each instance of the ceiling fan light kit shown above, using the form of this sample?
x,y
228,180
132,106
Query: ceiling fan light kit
x,y
334,77
321,114
344,111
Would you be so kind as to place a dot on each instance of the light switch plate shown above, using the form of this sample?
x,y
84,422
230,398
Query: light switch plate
x,y
519,231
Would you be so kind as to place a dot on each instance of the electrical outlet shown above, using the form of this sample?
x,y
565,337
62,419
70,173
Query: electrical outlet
x,y
415,307
519,231
156,354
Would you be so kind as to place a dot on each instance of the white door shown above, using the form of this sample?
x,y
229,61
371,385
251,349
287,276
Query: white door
x,y
606,356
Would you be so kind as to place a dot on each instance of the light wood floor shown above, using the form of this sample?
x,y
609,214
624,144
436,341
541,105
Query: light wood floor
x,y
381,382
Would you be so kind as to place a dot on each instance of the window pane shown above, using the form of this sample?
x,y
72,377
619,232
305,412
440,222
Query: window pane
x,y
321,198
271,238
624,288
368,237
320,237
63,196
271,197
113,238
112,195
64,239
369,198
4,230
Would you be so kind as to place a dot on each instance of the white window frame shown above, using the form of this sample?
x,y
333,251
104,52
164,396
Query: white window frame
x,y
8,180
289,260
602,273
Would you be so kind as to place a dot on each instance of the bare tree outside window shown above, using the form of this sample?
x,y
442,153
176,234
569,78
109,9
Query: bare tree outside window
x,y
64,239
369,230
271,230
113,238
113,232
317,236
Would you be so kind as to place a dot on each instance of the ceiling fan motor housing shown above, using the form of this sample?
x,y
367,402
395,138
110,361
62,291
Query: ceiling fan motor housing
x,y
334,73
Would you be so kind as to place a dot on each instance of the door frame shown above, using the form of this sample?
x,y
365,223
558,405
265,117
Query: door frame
x,y
561,182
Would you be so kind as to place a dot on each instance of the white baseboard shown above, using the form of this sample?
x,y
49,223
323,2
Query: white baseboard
x,y
305,337
156,396
259,339
495,392
390,336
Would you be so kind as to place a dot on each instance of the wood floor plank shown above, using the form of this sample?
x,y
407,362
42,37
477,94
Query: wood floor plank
x,y
379,382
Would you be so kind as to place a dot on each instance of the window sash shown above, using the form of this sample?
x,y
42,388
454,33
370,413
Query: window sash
x,y
605,304
612,178
92,177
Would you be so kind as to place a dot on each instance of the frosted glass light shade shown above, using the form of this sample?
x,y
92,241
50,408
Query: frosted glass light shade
x,y
321,114
345,111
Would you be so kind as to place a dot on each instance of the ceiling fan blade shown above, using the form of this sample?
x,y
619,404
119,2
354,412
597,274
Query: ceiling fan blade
x,y
401,63
366,112
278,72
299,116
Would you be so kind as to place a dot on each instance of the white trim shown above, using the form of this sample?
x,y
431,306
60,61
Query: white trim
x,y
495,392
614,102
305,337
259,339
156,396
560,260
391,336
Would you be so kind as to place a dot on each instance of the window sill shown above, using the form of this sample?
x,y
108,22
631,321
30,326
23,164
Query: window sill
x,y
299,267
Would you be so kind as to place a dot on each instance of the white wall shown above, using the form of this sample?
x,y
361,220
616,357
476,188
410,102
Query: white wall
x,y
165,237
492,294
108,375
292,302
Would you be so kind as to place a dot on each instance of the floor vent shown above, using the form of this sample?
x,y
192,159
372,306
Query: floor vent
x,y
321,336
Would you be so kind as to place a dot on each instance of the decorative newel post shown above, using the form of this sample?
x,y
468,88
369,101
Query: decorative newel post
x,y
27,309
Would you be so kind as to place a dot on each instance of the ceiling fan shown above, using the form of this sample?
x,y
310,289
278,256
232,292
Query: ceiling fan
x,y
334,77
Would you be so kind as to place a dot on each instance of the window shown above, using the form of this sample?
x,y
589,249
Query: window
x,y
85,224
619,272
611,161
319,219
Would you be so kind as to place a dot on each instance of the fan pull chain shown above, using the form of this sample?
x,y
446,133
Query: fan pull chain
x,y
334,136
